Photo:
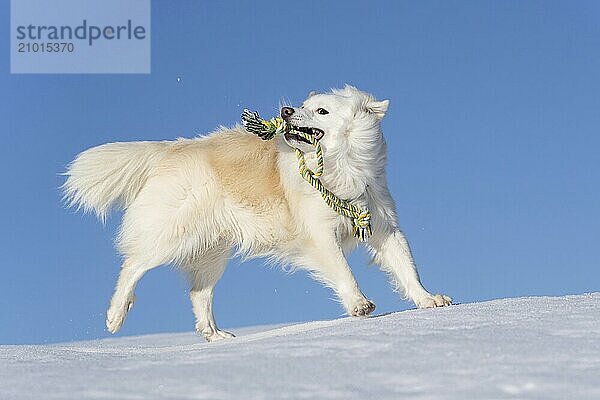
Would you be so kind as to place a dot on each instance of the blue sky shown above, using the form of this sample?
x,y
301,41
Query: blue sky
x,y
493,132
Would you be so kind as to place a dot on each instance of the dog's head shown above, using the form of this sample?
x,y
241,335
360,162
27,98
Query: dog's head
x,y
335,119
347,124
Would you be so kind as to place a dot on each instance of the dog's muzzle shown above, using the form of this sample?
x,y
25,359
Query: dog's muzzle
x,y
286,114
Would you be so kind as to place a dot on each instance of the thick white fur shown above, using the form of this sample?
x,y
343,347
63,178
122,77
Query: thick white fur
x,y
193,202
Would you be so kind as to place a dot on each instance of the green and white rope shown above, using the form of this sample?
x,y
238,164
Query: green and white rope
x,y
268,129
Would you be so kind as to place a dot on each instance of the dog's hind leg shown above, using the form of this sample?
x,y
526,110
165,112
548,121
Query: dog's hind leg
x,y
123,297
203,275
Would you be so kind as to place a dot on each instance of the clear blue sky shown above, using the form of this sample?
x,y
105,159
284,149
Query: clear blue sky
x,y
493,131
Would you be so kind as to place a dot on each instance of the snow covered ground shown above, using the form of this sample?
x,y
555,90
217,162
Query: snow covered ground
x,y
525,348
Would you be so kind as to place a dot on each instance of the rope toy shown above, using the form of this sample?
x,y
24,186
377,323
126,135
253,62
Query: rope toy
x,y
268,129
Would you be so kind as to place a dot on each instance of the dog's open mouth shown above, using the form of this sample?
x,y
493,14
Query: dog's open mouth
x,y
315,132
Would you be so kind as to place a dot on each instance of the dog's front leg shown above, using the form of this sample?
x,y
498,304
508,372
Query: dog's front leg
x,y
327,264
392,252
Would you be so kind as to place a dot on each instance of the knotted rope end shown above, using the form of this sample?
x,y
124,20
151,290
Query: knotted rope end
x,y
362,226
265,129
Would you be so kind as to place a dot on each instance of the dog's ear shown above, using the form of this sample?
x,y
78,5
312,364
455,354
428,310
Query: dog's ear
x,y
378,108
311,94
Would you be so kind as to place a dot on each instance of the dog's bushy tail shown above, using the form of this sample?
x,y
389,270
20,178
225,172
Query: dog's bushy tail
x,y
110,175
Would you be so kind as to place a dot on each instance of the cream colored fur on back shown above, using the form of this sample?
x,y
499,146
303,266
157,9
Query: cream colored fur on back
x,y
191,202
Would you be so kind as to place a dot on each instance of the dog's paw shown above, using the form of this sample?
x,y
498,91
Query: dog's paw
x,y
212,335
363,308
115,316
431,301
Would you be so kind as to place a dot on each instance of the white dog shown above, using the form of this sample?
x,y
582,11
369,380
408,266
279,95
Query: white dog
x,y
193,202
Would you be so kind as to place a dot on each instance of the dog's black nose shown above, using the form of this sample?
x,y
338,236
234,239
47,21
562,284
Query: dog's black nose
x,y
286,112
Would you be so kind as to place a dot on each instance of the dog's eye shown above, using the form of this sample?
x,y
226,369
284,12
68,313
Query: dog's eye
x,y
322,111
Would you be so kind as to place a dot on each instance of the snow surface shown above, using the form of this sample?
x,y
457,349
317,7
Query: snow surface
x,y
525,348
